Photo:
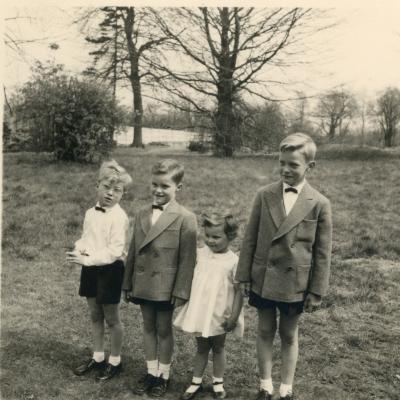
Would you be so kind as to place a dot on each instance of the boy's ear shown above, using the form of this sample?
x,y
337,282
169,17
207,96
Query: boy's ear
x,y
311,164
179,186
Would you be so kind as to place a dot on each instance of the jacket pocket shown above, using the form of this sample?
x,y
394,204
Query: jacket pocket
x,y
168,276
306,230
302,277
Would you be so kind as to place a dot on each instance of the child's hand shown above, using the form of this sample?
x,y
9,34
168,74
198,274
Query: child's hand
x,y
229,325
311,302
244,288
127,295
177,301
76,257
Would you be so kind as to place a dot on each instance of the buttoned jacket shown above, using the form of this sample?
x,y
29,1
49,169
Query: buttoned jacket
x,y
162,257
284,257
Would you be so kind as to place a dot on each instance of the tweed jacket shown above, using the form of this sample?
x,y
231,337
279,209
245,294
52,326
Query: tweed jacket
x,y
162,257
284,257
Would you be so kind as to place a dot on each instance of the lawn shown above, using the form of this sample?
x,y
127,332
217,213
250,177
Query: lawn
x,y
349,349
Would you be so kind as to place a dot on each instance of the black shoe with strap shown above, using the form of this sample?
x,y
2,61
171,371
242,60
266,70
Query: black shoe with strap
x,y
160,387
289,396
109,372
263,395
221,394
145,384
88,366
191,395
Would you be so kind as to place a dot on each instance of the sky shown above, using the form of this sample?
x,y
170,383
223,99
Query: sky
x,y
362,52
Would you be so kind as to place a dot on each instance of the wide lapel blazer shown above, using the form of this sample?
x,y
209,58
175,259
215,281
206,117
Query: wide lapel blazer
x,y
303,205
170,214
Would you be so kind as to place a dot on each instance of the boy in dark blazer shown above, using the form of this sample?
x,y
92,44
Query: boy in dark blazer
x,y
285,258
159,270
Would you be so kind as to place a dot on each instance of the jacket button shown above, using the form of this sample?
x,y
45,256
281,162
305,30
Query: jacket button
x,y
292,245
289,269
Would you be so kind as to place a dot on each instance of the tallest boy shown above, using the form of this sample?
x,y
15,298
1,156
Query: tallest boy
x,y
285,258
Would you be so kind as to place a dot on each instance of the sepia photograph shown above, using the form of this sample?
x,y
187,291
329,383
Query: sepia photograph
x,y
200,200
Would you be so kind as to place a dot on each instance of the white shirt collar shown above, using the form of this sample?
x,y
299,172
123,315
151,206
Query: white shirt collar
x,y
299,187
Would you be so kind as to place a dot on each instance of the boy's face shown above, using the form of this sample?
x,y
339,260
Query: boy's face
x,y
293,167
216,239
163,188
109,193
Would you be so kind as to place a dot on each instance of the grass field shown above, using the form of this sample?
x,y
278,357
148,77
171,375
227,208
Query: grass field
x,y
349,349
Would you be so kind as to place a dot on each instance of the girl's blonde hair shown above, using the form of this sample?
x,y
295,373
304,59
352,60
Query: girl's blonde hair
x,y
217,219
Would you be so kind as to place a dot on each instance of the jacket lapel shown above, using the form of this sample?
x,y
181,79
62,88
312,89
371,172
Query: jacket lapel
x,y
275,204
145,220
166,219
304,204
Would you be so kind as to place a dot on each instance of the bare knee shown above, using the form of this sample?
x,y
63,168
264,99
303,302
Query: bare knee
x,y
288,338
112,321
267,333
164,330
96,315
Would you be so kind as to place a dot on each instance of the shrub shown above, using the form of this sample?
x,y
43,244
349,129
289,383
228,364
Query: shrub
x,y
201,147
70,117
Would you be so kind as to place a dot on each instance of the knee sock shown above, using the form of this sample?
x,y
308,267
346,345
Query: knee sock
x,y
193,388
163,369
98,356
284,390
114,360
152,367
218,384
266,384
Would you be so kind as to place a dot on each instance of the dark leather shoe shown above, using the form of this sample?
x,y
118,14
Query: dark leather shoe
x,y
144,384
190,396
89,366
220,395
160,387
289,396
263,395
109,372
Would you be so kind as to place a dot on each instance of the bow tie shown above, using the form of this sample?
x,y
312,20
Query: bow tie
x,y
97,208
157,207
291,189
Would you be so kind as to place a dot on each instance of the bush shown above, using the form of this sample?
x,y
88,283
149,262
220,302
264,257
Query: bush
x,y
201,147
70,117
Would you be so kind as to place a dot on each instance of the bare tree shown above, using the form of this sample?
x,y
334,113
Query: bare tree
x,y
222,52
388,114
335,110
126,41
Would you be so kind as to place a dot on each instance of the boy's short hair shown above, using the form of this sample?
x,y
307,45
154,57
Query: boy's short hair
x,y
302,142
169,166
226,219
112,171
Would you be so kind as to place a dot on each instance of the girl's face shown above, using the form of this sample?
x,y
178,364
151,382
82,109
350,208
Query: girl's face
x,y
216,239
109,193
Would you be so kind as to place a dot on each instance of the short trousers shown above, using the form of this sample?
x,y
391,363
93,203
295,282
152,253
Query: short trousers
x,y
288,309
103,282
157,305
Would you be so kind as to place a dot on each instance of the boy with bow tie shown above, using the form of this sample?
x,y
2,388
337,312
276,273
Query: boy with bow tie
x,y
159,270
285,258
101,251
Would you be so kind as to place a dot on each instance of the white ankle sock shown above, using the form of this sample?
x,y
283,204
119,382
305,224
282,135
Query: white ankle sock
x,y
152,367
163,369
218,384
193,388
284,390
266,384
98,356
114,360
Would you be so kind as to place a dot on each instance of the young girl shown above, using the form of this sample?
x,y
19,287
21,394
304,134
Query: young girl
x,y
215,303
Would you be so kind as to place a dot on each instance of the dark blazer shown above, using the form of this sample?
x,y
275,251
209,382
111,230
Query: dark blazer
x,y
162,257
284,257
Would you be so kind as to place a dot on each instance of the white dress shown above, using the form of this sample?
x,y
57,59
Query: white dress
x,y
211,296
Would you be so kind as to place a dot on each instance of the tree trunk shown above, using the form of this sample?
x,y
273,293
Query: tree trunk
x,y
225,117
137,104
